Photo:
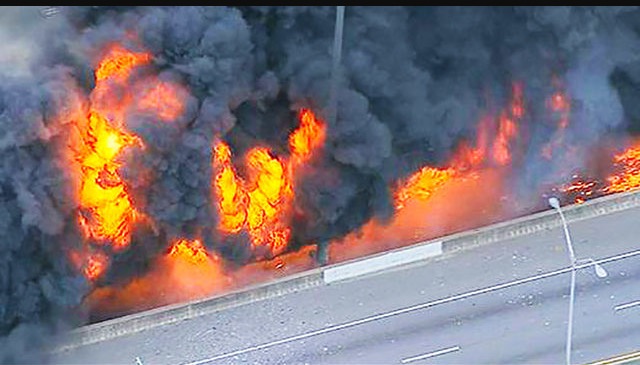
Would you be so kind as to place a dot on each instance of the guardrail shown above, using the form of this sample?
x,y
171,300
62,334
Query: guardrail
x,y
348,270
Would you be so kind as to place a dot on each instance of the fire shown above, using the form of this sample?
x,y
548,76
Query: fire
x,y
103,196
270,196
95,267
191,268
102,193
107,212
163,99
186,272
260,203
507,131
118,63
629,178
422,184
508,128
92,265
189,251
559,102
308,137
467,157
229,188
580,189
560,106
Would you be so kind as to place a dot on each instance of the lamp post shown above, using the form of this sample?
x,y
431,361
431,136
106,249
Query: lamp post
x,y
600,272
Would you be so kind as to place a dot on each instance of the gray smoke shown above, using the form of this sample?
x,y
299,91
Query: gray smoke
x,y
37,284
413,85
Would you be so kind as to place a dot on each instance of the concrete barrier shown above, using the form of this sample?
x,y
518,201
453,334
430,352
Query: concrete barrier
x,y
330,274
174,313
540,221
379,262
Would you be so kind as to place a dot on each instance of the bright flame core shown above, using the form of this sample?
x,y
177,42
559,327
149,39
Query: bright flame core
x,y
107,213
629,178
261,203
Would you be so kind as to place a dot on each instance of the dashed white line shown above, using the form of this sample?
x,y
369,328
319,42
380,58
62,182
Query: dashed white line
x,y
431,354
626,306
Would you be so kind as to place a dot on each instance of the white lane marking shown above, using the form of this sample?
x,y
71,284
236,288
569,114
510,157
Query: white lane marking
x,y
405,310
381,262
431,354
627,305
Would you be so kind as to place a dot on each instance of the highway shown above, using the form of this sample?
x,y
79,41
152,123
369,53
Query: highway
x,y
509,324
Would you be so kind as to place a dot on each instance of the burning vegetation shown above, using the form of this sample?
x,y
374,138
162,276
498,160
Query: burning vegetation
x,y
157,155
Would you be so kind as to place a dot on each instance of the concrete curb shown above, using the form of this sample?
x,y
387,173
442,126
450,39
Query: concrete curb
x,y
539,221
174,313
330,274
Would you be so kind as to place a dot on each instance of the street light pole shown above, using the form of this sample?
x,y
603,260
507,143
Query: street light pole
x,y
600,272
555,204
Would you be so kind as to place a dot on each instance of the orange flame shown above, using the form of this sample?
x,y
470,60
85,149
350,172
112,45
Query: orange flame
x,y
559,104
629,178
270,195
192,269
508,128
189,251
96,265
261,204
92,265
427,180
163,99
186,272
507,131
580,189
229,188
118,62
258,205
422,184
102,192
308,137
107,213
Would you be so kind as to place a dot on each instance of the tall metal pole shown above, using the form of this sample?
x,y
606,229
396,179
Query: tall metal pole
x,y
322,254
572,257
556,205
600,272
335,69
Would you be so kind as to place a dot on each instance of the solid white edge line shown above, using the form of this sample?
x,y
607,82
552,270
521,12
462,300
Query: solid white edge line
x,y
430,354
627,305
452,298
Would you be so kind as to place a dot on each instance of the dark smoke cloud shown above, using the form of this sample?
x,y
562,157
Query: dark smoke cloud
x,y
413,84
37,284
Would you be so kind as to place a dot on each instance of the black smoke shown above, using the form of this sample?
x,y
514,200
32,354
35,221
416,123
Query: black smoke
x,y
37,283
412,86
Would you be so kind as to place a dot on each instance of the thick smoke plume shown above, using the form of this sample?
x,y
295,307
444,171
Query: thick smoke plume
x,y
414,84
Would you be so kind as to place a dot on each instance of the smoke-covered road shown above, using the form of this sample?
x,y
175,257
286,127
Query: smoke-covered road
x,y
520,324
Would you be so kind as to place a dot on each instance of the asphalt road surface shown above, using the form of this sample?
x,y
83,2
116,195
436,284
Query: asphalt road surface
x,y
512,324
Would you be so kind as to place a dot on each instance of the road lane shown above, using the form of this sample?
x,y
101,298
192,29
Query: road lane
x,y
518,325
316,308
